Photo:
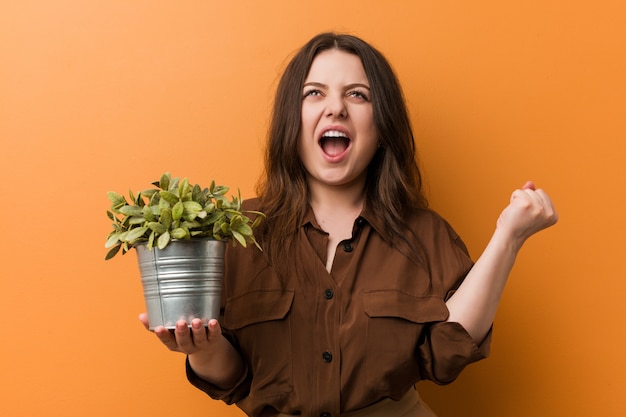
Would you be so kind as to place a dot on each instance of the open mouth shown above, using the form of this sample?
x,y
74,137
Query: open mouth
x,y
334,142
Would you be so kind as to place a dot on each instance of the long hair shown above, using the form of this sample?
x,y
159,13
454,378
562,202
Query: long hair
x,y
393,183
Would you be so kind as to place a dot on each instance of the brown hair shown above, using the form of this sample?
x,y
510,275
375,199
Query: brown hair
x,y
394,181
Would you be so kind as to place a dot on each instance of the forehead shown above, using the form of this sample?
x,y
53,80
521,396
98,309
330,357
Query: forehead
x,y
334,65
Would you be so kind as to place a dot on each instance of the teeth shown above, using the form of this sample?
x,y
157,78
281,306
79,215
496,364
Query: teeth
x,y
334,134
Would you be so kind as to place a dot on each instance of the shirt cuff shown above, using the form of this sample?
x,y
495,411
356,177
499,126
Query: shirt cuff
x,y
229,396
450,348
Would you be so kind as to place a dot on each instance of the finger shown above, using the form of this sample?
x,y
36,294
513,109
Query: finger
x,y
143,318
533,196
214,329
548,205
183,336
199,333
166,338
519,193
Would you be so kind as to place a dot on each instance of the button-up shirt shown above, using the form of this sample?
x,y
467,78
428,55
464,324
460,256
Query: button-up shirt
x,y
320,344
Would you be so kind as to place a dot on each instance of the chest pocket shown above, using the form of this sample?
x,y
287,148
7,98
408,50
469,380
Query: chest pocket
x,y
395,329
261,323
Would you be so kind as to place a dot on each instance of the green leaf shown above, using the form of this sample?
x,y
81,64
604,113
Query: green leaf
x,y
191,224
163,240
235,218
219,189
183,188
257,221
214,217
112,252
157,228
244,229
149,193
131,210
192,206
150,244
164,183
178,210
135,234
166,218
111,216
148,214
180,233
136,220
240,238
191,210
173,184
169,197
163,204
116,199
113,239
197,195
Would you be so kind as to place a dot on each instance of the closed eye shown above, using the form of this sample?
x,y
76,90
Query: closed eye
x,y
359,94
312,92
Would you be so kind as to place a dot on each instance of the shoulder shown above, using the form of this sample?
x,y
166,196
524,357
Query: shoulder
x,y
426,217
253,204
431,228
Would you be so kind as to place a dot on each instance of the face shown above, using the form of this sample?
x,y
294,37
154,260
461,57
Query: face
x,y
338,136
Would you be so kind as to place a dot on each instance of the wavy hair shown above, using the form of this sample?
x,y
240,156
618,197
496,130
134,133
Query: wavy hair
x,y
394,182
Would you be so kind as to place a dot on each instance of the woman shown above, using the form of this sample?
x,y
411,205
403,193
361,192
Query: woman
x,y
361,291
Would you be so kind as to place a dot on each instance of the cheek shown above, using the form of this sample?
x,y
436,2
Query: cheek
x,y
368,130
308,116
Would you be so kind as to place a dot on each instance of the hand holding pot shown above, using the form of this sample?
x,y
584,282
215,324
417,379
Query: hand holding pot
x,y
210,355
183,339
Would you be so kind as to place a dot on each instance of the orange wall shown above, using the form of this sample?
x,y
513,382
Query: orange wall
x,y
105,95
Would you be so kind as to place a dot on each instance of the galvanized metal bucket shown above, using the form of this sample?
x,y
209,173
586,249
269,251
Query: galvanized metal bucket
x,y
182,281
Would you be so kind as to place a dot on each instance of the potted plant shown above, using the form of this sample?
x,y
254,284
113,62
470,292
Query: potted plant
x,y
179,231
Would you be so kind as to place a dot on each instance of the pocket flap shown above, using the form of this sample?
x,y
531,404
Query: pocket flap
x,y
394,303
257,306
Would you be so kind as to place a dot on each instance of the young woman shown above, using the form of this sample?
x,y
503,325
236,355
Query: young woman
x,y
361,291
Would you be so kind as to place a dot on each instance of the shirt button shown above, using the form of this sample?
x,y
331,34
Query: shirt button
x,y
328,294
347,247
327,356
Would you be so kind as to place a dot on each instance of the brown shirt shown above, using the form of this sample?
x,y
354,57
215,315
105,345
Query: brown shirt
x,y
320,344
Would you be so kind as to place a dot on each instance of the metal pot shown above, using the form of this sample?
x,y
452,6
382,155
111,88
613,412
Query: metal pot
x,y
182,281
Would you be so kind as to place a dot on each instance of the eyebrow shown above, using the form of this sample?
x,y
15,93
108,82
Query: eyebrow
x,y
347,87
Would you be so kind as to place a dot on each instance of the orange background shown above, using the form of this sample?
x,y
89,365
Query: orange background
x,y
106,95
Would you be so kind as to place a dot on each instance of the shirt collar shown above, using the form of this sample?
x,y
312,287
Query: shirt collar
x,y
368,214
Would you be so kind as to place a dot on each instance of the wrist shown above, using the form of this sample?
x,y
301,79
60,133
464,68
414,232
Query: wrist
x,y
508,240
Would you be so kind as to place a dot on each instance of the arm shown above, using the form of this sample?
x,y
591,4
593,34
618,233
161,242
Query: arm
x,y
210,355
475,302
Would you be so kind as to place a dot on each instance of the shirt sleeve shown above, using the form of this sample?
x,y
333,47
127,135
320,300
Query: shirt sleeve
x,y
229,396
447,349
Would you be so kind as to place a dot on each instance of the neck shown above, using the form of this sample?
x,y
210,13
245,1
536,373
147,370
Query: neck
x,y
348,197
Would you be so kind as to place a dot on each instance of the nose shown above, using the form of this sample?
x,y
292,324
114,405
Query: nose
x,y
335,106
